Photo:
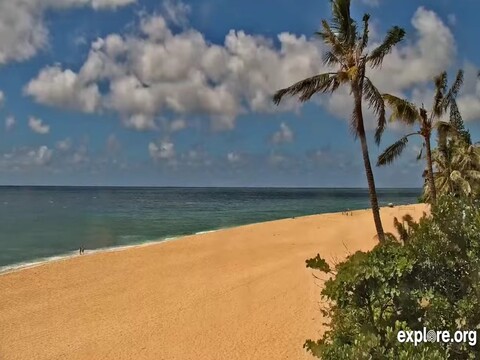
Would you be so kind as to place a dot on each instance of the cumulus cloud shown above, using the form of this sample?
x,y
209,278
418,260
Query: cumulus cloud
x,y
24,158
469,99
159,72
63,88
22,28
64,145
177,12
10,123
411,65
283,135
37,126
163,151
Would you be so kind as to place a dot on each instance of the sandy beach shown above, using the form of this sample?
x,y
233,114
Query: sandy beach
x,y
240,293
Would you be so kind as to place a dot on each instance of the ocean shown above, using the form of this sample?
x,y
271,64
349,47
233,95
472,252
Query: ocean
x,y
46,223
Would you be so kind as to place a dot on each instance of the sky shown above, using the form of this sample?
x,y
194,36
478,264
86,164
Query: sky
x,y
152,93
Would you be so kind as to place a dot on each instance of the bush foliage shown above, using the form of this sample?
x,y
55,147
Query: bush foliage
x,y
428,277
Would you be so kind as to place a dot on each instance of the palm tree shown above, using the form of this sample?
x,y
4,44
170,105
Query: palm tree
x,y
410,114
350,58
457,169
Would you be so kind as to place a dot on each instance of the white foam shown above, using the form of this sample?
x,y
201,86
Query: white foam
x,y
206,232
42,261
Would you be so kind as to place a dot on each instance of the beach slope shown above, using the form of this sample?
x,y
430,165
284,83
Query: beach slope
x,y
240,293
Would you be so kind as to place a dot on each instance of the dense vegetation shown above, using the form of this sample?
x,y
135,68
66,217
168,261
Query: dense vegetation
x,y
428,276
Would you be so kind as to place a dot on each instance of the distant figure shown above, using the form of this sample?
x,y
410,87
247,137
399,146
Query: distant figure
x,y
82,250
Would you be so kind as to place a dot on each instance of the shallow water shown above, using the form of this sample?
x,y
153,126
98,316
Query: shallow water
x,y
43,222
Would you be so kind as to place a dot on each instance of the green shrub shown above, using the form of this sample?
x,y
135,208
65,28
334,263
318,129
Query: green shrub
x,y
429,278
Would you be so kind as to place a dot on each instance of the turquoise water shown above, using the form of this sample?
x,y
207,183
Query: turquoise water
x,y
43,222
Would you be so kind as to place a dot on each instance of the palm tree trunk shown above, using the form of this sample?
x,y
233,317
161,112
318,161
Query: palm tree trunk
x,y
431,180
368,167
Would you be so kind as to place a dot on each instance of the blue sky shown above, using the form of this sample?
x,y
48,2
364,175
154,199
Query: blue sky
x,y
75,112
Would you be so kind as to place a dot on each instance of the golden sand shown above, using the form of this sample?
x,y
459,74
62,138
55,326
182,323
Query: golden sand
x,y
240,293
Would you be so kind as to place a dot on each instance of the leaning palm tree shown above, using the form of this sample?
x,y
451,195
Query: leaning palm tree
x,y
349,57
428,121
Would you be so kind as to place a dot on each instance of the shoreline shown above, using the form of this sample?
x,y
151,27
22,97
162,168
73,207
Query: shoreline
x,y
34,263
214,296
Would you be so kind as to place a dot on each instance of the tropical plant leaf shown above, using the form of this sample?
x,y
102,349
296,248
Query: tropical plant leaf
x,y
342,23
393,37
365,35
393,151
419,156
440,89
330,38
402,110
308,87
376,103
454,90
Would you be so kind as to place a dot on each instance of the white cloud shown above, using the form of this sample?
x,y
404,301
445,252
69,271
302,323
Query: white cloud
x,y
411,65
177,125
24,158
37,126
22,28
469,99
161,72
177,12
64,89
10,123
283,135
64,145
233,157
182,74
164,151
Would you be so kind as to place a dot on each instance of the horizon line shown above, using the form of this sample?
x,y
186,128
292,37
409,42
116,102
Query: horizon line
x,y
204,187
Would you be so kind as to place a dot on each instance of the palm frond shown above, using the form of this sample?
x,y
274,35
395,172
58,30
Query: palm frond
x,y
457,85
440,89
330,38
420,154
444,127
342,22
354,124
376,103
308,87
473,174
365,35
393,37
402,109
330,59
393,151
454,90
